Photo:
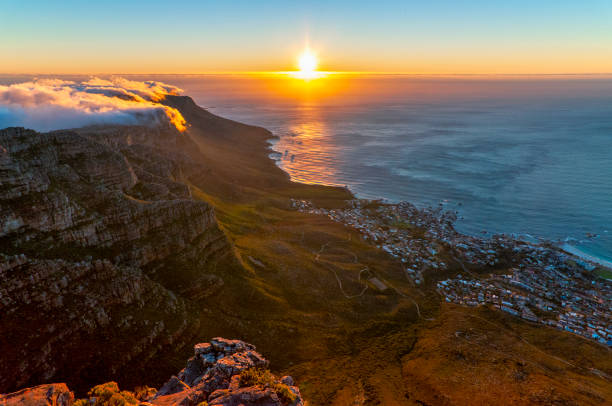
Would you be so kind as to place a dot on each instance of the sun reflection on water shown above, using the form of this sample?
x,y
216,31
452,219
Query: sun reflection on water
x,y
307,151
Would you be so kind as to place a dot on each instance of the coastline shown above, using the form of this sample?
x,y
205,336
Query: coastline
x,y
577,252
538,282
297,284
504,271
276,157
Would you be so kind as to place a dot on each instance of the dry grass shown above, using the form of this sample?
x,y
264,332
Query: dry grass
x,y
297,297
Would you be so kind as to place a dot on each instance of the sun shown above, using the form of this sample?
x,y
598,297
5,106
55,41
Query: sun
x,y
307,62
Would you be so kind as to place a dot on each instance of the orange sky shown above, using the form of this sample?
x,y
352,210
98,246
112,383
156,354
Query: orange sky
x,y
440,37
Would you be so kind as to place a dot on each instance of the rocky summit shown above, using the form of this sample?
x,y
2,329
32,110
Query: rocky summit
x,y
221,373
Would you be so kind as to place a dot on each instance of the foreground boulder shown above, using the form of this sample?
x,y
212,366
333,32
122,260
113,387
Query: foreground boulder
x,y
221,373
227,372
54,394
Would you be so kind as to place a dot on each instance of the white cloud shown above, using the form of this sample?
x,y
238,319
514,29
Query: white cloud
x,y
51,104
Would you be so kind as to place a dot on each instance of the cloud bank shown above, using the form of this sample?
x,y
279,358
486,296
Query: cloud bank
x,y
52,104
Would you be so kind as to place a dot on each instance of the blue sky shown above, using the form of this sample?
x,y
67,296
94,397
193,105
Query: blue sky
x,y
398,36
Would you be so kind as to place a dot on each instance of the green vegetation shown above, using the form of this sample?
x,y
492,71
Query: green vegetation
x,y
143,393
297,286
256,376
402,225
263,377
108,394
344,346
603,273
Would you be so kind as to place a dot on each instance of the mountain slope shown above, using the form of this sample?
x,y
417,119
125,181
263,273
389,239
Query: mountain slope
x,y
196,233
93,225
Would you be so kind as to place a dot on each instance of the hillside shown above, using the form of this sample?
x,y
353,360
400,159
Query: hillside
x,y
147,241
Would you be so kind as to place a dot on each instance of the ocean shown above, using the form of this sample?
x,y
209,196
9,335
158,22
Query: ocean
x,y
530,156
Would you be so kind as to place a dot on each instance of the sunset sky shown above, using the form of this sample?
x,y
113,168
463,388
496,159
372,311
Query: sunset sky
x,y
433,37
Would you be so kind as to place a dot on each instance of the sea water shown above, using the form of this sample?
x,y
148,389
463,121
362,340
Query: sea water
x,y
529,156
520,155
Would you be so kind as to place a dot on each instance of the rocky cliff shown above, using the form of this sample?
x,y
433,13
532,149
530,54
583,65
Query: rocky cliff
x,y
101,245
221,373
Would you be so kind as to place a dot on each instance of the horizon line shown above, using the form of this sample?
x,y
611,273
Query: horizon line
x,y
230,73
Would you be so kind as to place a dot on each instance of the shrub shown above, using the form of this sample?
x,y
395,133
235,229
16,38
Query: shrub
x,y
108,394
143,393
255,376
263,377
285,394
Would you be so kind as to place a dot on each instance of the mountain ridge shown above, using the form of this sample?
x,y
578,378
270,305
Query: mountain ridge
x,y
237,260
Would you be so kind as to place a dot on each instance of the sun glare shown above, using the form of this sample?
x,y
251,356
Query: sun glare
x,y
307,64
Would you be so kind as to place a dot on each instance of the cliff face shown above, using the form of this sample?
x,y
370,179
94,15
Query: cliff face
x,y
67,189
101,246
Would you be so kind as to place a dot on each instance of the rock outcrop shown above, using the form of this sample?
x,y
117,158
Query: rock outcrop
x,y
221,373
55,394
101,244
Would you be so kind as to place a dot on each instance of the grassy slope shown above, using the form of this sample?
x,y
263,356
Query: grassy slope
x,y
604,273
373,348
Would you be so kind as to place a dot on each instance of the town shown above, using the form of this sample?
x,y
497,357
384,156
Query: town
x,y
537,282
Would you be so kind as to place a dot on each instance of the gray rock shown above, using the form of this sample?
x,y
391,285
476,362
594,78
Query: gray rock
x,y
194,370
287,380
219,385
202,348
219,382
54,394
174,385
113,193
253,396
